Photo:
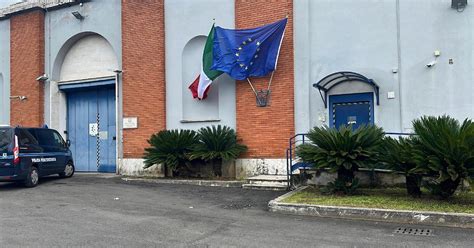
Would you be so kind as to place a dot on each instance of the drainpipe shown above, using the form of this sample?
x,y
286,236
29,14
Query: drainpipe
x,y
400,71
118,129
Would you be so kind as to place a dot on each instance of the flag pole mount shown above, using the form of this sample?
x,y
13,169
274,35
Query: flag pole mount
x,y
262,96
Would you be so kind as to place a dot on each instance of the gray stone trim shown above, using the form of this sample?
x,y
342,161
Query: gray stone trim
x,y
210,183
371,214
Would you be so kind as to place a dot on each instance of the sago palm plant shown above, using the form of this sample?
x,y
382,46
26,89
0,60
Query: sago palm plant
x,y
170,148
398,155
342,151
446,150
217,144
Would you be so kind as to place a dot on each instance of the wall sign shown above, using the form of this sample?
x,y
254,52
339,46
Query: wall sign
x,y
130,122
93,129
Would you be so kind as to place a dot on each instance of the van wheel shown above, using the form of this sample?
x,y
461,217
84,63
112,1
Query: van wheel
x,y
68,171
33,178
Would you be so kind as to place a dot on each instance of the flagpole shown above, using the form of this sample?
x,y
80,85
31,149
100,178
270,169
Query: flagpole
x,y
270,83
255,92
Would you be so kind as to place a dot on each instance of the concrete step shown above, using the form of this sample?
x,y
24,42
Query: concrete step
x,y
271,178
266,182
265,186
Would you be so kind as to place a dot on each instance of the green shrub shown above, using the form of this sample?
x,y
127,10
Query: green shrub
x,y
171,148
217,144
342,151
445,148
398,155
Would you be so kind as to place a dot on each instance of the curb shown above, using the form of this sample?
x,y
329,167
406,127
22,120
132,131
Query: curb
x,y
209,183
371,214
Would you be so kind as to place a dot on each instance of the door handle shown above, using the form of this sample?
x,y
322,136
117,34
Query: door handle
x,y
114,138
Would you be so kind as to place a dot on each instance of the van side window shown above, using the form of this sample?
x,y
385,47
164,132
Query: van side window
x,y
25,138
59,140
49,138
6,140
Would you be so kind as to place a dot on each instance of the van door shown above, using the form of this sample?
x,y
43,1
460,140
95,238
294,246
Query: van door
x,y
54,149
30,149
6,151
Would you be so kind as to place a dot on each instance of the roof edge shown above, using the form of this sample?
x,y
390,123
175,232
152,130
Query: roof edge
x,y
31,5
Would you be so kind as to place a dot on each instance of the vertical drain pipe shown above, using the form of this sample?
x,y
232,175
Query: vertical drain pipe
x,y
118,134
399,53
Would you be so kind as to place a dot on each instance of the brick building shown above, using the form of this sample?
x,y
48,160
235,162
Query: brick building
x,y
123,67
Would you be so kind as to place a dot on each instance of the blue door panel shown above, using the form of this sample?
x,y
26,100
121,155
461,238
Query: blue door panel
x,y
92,111
107,128
87,107
355,114
351,109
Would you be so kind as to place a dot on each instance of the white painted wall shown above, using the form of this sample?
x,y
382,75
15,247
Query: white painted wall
x,y
446,88
373,38
4,72
187,23
344,35
193,109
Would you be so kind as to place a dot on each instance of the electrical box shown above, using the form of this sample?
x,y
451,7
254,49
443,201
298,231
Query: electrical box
x,y
391,95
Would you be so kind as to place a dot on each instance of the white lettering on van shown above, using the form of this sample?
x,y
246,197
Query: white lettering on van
x,y
43,160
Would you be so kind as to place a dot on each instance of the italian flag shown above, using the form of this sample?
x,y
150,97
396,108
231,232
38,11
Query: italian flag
x,y
201,85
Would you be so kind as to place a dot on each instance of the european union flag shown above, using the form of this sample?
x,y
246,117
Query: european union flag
x,y
244,53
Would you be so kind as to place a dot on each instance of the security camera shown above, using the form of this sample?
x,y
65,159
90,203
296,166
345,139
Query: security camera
x,y
42,78
431,64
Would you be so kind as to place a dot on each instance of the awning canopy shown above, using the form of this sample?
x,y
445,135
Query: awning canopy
x,y
334,79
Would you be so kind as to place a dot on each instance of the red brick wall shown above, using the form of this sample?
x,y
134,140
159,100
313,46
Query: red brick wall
x,y
143,57
266,130
26,64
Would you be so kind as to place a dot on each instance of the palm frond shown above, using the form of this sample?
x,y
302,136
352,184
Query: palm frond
x,y
170,147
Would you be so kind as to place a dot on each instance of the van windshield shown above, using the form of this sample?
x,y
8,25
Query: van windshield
x,y
6,138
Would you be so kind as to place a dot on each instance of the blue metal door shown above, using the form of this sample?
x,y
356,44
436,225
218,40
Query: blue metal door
x,y
351,109
91,128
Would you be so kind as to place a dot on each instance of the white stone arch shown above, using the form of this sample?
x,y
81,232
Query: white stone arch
x,y
85,56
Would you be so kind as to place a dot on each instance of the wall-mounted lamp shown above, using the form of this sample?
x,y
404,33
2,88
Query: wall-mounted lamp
x,y
42,78
21,98
78,15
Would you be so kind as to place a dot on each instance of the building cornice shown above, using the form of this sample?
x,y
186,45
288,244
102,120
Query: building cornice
x,y
31,5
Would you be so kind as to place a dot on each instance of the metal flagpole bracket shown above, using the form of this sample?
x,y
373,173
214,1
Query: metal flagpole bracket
x,y
262,96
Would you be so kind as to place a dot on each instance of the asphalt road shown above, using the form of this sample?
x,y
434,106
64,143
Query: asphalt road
x,y
97,211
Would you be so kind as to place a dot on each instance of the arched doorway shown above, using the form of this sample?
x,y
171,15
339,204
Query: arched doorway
x,y
87,79
354,106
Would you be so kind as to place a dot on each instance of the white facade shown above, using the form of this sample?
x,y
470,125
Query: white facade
x,y
390,42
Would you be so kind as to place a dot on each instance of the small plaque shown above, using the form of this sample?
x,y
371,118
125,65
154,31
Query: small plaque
x,y
103,135
93,129
130,122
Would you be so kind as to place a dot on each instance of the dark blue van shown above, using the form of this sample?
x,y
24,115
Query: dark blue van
x,y
26,154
